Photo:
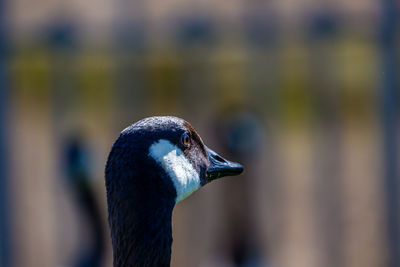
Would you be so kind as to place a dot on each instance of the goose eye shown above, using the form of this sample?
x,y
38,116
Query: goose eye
x,y
185,140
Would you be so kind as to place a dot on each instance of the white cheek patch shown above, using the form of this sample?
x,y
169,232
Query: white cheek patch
x,y
171,158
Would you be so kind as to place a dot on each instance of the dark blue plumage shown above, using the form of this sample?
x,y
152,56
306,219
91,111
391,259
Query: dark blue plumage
x,y
141,194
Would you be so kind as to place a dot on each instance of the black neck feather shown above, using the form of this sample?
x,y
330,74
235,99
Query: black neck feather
x,y
140,200
142,234
140,206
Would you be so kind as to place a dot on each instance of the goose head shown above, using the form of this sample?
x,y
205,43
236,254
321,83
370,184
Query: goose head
x,y
154,164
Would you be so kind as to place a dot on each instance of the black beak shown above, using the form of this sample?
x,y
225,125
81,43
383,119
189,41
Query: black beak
x,y
220,167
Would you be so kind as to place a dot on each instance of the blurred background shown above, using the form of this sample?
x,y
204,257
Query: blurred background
x,y
304,93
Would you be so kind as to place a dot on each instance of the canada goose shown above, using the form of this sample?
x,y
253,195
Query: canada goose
x,y
154,164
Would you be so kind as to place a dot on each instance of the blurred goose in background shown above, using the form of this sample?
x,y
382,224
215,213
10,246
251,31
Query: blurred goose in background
x,y
79,180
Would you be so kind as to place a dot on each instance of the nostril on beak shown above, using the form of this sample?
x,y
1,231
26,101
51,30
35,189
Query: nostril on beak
x,y
220,159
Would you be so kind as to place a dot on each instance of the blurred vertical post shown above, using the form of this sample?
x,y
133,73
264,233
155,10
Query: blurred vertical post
x,y
5,248
388,102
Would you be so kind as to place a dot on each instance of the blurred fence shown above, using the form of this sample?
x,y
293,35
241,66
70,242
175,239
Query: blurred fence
x,y
299,105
